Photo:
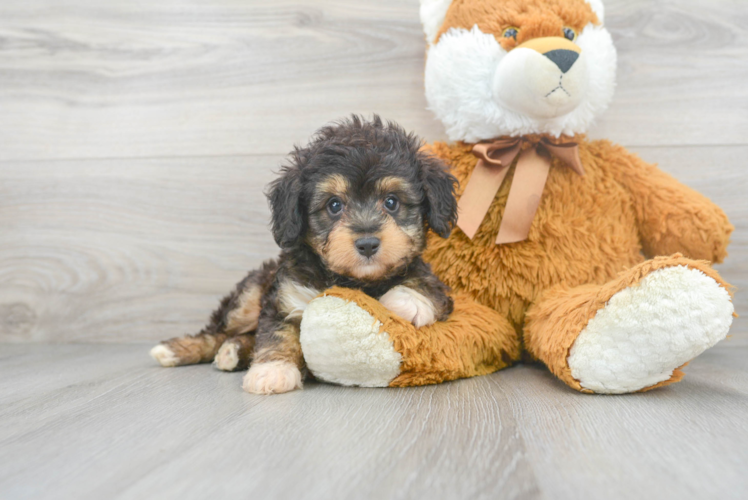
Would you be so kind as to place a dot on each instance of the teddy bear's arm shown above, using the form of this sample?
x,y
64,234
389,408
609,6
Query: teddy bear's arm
x,y
672,217
349,338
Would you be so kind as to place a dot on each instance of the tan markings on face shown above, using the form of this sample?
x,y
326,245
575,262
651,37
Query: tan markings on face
x,y
390,184
333,185
416,235
244,318
533,18
340,253
293,299
396,248
284,346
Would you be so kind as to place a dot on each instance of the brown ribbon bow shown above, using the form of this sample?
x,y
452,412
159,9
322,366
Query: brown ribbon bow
x,y
494,160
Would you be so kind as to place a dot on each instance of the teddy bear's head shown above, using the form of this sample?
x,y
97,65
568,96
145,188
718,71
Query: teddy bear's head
x,y
515,67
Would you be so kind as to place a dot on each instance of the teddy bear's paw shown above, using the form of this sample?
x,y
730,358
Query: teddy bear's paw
x,y
227,357
274,377
648,330
410,305
343,344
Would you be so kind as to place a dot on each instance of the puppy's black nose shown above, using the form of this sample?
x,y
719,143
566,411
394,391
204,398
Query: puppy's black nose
x,y
563,58
368,246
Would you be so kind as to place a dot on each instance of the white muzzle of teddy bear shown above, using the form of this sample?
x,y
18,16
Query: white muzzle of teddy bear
x,y
480,91
545,78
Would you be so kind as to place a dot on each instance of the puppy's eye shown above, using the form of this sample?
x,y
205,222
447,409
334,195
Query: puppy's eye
x,y
510,33
334,206
570,34
391,203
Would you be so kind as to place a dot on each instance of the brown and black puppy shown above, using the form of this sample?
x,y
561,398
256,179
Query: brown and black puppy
x,y
351,209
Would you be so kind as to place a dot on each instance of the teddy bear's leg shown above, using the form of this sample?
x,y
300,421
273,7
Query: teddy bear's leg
x,y
350,338
633,333
235,353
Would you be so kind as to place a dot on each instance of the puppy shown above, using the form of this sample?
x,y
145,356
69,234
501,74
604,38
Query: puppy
x,y
351,209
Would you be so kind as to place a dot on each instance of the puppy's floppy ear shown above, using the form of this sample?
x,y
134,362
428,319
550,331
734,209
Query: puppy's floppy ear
x,y
284,197
440,204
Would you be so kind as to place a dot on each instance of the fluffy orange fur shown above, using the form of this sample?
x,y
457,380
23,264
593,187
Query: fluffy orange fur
x,y
532,18
475,340
562,312
588,241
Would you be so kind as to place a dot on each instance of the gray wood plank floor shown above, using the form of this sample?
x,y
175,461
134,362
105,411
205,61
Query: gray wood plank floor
x,y
101,421
135,142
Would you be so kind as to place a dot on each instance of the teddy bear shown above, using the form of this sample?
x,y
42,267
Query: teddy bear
x,y
568,251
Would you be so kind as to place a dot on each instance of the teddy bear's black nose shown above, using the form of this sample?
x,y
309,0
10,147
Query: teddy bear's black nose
x,y
563,58
368,246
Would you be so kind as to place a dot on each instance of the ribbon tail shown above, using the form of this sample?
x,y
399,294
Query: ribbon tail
x,y
479,193
567,153
524,197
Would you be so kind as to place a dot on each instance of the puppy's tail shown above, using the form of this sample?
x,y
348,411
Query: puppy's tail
x,y
237,315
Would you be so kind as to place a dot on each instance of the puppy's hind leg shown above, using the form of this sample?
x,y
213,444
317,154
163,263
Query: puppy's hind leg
x,y
235,353
237,314
188,350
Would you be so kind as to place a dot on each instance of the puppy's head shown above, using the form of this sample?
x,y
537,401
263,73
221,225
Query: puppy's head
x,y
362,195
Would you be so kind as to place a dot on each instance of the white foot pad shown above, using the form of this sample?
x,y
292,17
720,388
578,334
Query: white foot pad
x,y
648,330
275,377
164,355
342,344
227,357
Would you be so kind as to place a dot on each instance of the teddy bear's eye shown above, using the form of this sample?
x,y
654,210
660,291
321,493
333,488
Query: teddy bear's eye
x,y
570,34
510,33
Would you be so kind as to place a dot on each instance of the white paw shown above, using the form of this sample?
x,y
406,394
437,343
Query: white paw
x,y
648,330
410,305
343,344
274,377
164,355
227,357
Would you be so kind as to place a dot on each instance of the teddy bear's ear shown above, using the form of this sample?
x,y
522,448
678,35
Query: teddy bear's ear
x,y
598,8
432,16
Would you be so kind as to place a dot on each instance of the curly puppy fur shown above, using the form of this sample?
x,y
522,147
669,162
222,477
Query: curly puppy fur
x,y
351,209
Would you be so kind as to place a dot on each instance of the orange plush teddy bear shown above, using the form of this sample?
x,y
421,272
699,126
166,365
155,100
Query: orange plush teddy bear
x,y
572,252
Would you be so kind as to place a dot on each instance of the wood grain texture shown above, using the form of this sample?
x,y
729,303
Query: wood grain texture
x,y
83,79
127,250
102,421
136,250
112,246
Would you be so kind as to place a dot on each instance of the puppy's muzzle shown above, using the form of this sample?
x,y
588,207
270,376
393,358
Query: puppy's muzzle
x,y
368,245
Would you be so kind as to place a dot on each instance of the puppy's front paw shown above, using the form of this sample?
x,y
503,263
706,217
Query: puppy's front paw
x,y
410,305
274,377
